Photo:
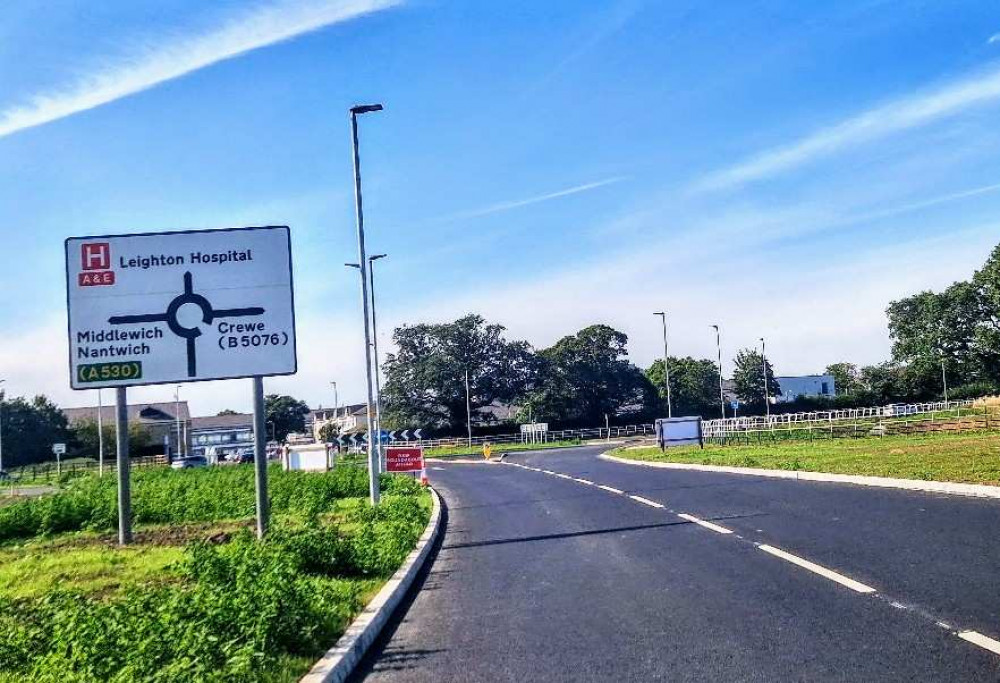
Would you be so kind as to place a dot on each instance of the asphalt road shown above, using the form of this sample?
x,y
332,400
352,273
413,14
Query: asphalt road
x,y
545,578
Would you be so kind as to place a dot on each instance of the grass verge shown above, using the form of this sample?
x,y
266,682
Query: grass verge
x,y
967,457
197,597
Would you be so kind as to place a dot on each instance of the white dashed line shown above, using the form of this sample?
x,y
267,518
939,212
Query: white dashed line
x,y
612,489
708,525
980,640
583,481
817,569
646,501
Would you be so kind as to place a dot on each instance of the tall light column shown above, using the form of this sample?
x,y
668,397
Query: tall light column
x,y
468,407
722,395
763,369
666,364
944,380
177,417
378,382
2,397
373,484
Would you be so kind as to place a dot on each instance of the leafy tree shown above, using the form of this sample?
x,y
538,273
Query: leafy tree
x,y
227,411
285,415
425,377
846,377
694,386
586,376
29,430
884,382
86,444
749,381
329,431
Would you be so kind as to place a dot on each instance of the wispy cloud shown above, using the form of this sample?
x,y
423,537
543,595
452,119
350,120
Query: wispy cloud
x,y
995,38
894,117
516,204
164,60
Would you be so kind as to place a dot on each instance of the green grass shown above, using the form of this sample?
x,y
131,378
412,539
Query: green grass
x,y
197,597
453,451
968,457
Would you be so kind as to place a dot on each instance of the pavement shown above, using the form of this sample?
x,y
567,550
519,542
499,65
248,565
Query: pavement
x,y
541,577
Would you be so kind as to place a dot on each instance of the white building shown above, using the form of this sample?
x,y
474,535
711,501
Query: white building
x,y
805,385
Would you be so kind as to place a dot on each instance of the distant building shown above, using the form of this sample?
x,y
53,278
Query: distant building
x,y
348,419
805,386
160,420
224,434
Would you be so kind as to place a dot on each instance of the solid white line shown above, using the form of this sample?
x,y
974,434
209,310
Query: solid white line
x,y
612,489
708,525
584,481
646,501
563,476
817,569
980,640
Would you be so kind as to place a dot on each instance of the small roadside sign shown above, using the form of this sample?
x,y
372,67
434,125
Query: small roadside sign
x,y
404,459
59,449
170,307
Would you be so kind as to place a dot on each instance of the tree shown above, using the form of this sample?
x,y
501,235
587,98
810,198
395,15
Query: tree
x,y
285,415
83,437
29,430
884,382
749,380
329,432
694,386
227,411
586,376
846,377
425,378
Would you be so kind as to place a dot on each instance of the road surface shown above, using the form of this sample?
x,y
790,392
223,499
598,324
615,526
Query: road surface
x,y
542,577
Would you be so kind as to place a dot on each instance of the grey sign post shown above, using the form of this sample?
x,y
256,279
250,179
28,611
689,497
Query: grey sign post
x,y
188,306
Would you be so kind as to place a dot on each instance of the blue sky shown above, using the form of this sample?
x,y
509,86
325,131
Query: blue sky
x,y
784,169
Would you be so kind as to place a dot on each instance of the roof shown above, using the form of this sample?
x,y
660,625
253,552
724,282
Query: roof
x,y
240,420
342,411
141,412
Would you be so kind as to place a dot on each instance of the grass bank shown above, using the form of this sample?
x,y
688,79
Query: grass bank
x,y
197,597
450,451
968,457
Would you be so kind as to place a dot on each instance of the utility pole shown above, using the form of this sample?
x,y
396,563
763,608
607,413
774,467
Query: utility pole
x,y
2,397
468,407
378,382
666,364
763,368
944,380
722,395
373,480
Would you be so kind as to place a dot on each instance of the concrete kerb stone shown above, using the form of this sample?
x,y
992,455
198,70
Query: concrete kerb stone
x,y
340,661
946,487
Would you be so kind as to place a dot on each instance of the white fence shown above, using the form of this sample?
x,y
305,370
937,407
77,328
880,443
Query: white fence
x,y
787,421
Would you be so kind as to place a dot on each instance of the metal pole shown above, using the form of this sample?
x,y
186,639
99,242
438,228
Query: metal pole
x,y
944,380
468,407
722,394
100,435
177,417
373,481
2,397
378,382
666,364
607,425
124,490
260,457
763,368
336,401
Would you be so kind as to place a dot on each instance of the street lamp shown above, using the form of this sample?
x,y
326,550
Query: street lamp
x,y
373,483
177,417
666,364
944,380
722,395
763,369
378,381
2,397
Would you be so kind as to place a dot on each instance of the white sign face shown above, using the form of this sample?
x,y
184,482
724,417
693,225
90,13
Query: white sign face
x,y
59,449
179,307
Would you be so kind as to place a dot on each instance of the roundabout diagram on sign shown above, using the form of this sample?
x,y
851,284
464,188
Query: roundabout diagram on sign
x,y
172,317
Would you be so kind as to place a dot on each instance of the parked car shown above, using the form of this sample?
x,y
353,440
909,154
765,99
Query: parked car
x,y
189,462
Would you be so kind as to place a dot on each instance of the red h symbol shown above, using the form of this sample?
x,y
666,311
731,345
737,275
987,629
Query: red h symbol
x,y
96,255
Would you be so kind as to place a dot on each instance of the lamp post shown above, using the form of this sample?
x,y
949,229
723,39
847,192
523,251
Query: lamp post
x,y
468,407
944,380
2,397
378,382
336,401
666,364
763,369
177,418
722,395
100,435
373,483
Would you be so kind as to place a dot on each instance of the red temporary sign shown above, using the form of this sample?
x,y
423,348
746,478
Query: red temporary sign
x,y
399,459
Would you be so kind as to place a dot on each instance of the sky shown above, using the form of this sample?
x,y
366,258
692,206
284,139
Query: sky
x,y
781,169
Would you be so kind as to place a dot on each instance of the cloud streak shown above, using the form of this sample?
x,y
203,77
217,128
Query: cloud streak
x,y
517,204
894,117
166,60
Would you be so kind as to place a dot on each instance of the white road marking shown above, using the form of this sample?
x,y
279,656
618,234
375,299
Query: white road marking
x,y
708,525
563,476
612,489
817,569
980,640
646,501
584,481
439,469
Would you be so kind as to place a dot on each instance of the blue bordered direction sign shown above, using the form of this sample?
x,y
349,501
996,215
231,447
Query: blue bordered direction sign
x,y
184,306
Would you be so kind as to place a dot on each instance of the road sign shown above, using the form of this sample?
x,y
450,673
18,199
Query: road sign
x,y
171,307
59,449
404,459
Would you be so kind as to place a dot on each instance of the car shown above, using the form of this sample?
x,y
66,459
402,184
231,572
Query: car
x,y
189,462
